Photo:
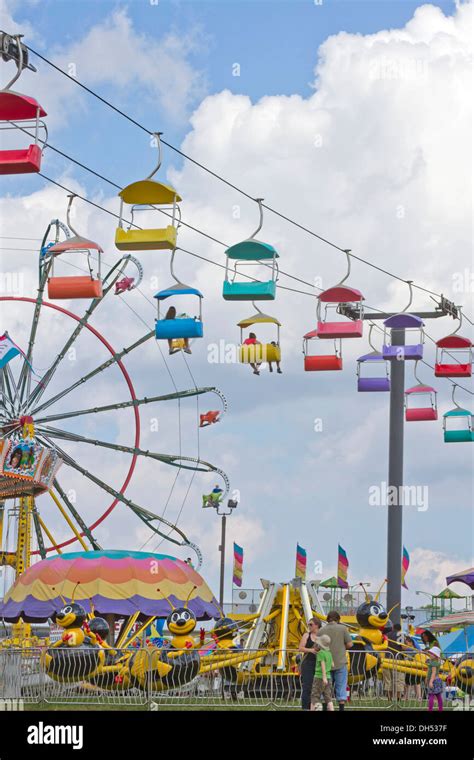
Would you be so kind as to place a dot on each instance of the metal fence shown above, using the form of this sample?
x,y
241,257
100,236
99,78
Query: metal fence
x,y
164,679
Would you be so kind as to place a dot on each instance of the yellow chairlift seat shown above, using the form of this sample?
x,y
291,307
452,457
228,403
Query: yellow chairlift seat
x,y
256,353
144,193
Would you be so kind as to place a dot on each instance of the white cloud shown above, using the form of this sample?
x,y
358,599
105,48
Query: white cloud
x,y
429,569
154,70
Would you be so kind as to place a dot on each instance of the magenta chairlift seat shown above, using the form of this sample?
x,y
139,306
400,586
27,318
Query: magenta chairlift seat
x,y
340,294
16,107
413,351
421,413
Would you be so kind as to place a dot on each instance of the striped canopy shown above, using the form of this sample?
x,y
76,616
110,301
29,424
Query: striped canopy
x,y
118,582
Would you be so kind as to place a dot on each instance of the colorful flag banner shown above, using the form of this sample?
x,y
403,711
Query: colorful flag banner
x,y
342,567
405,566
238,565
8,349
300,571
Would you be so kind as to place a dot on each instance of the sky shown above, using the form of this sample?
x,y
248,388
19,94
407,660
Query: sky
x,y
351,118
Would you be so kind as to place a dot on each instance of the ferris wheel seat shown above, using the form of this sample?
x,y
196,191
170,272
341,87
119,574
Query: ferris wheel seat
x,y
249,291
373,384
322,363
341,329
74,287
171,329
23,161
26,468
453,370
146,240
256,353
411,352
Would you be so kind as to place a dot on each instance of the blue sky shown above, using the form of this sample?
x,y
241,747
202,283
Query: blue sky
x,y
390,143
273,42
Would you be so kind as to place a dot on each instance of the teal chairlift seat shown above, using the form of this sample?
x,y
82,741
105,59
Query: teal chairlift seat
x,y
464,434
249,253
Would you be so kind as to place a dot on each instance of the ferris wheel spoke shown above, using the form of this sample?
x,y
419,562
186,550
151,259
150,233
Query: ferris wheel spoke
x,y
25,374
175,460
49,374
125,404
93,373
144,514
73,511
11,386
6,391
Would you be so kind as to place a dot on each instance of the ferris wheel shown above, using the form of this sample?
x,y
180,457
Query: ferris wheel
x,y
37,411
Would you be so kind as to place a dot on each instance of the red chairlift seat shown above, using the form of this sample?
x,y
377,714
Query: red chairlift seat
x,y
15,107
347,328
453,368
321,362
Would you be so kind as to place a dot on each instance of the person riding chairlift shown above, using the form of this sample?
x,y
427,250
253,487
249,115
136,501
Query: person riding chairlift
x,y
171,314
252,341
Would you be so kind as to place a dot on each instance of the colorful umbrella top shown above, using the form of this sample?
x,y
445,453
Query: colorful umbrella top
x,y
119,582
455,620
465,576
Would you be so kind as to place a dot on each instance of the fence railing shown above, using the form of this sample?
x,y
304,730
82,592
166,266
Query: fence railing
x,y
161,679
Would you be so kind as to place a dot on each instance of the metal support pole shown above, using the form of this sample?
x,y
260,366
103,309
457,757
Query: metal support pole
x,y
222,551
395,480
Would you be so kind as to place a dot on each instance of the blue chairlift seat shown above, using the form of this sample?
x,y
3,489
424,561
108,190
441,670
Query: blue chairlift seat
x,y
180,327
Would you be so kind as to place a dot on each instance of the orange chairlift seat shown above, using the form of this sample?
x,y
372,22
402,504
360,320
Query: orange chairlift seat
x,y
74,286
321,362
20,112
334,298
148,194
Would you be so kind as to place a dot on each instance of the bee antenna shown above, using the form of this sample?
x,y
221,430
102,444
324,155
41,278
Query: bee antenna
x,y
189,596
74,590
60,595
166,599
367,597
380,589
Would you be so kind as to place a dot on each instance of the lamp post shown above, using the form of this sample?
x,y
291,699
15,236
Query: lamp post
x,y
223,512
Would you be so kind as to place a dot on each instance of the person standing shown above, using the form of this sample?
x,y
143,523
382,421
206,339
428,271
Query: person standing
x,y
308,646
434,683
322,688
340,642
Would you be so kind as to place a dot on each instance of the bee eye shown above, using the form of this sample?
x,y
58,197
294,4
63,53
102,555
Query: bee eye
x,y
67,610
374,610
174,617
186,616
